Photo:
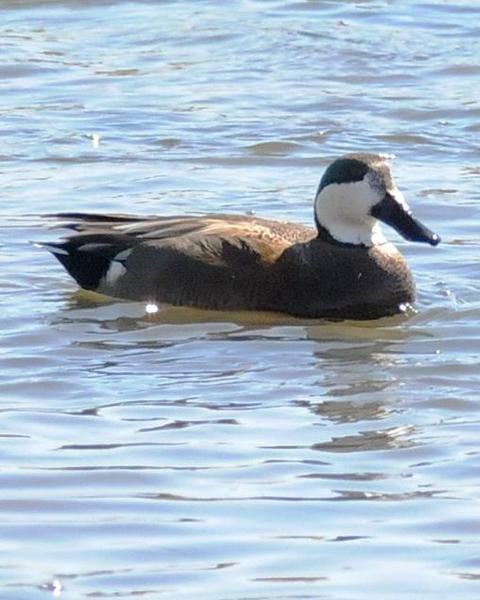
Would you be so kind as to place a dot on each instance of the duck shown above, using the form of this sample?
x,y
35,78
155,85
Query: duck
x,y
343,268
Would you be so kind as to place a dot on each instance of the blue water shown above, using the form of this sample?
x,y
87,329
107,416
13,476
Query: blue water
x,y
236,456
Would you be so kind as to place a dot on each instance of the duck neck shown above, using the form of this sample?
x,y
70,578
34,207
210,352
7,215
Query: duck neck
x,y
325,236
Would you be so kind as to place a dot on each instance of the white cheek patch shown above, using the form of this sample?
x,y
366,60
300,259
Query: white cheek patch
x,y
344,210
351,201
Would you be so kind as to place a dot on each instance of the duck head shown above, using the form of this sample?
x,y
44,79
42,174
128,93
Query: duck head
x,y
355,193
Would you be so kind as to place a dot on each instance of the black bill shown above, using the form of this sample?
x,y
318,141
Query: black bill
x,y
394,213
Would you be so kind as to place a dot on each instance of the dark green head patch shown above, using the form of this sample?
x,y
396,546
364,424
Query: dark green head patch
x,y
345,170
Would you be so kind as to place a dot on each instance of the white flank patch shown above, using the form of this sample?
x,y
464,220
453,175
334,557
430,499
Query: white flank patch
x,y
123,255
52,249
115,271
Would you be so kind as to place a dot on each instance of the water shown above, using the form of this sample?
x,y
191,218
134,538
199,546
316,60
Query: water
x,y
236,456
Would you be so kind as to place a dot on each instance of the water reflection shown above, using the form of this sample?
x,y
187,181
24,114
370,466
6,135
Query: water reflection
x,y
364,354
348,411
367,441
125,316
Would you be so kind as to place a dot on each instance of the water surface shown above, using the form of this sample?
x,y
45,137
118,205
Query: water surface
x,y
233,456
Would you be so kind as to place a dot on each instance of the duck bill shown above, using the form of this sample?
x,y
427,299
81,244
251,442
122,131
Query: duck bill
x,y
396,213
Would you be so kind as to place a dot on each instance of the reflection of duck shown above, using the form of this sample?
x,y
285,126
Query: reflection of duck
x,y
343,269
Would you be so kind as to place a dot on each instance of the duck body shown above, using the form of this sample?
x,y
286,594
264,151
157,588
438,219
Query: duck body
x,y
235,262
345,283
248,264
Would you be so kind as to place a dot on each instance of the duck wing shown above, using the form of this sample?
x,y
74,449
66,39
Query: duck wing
x,y
173,226
213,261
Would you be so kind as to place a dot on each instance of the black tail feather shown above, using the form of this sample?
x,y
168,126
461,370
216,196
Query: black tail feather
x,y
87,258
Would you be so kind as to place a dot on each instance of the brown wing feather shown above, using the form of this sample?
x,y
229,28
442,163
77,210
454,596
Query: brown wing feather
x,y
266,237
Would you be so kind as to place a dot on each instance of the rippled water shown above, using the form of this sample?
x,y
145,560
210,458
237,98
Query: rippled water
x,y
236,456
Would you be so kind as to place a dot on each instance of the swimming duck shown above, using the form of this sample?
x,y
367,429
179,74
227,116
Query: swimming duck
x,y
342,269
